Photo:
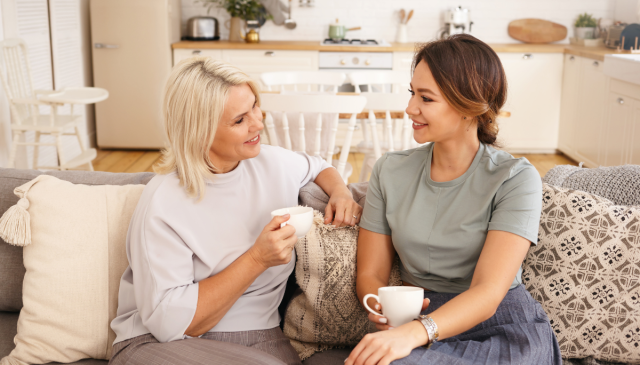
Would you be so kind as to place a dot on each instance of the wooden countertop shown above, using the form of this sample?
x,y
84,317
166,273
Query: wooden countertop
x,y
596,53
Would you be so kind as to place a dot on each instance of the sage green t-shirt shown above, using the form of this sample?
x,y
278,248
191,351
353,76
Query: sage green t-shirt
x,y
439,228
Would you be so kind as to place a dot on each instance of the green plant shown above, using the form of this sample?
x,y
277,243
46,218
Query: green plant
x,y
244,9
585,21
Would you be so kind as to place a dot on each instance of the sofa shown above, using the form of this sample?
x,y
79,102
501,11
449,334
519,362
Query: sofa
x,y
12,269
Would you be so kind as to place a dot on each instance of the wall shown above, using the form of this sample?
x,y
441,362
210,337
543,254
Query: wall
x,y
379,18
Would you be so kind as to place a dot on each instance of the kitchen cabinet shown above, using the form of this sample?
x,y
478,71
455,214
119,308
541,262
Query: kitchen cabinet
x,y
402,61
583,121
534,92
183,53
622,133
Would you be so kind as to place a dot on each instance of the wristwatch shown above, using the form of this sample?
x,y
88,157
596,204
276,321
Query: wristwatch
x,y
431,327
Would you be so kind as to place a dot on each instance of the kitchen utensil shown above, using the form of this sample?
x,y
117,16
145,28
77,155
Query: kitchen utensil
x,y
629,35
409,17
202,28
456,21
290,23
402,14
537,31
338,31
252,36
614,33
401,36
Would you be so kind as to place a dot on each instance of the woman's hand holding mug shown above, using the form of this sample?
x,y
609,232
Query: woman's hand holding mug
x,y
381,321
274,246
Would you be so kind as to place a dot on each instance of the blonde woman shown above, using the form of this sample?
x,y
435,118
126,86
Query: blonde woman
x,y
207,265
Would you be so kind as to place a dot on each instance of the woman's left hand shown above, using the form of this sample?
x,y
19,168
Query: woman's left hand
x,y
342,210
381,348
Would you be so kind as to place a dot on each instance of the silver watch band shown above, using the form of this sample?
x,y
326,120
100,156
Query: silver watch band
x,y
431,327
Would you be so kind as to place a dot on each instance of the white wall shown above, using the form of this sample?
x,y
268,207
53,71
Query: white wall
x,y
627,11
379,18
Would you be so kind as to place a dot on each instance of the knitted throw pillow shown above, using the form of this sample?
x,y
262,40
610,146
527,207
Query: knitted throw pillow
x,y
74,239
327,312
585,271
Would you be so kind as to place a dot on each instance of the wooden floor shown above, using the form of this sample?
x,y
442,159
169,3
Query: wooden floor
x,y
140,161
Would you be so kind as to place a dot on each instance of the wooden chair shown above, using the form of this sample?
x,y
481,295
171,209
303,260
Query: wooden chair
x,y
396,133
317,104
25,102
303,80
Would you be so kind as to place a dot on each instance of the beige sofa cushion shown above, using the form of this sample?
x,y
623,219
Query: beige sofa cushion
x,y
73,269
585,271
327,313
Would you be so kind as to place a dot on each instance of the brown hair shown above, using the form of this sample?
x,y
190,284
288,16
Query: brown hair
x,y
471,78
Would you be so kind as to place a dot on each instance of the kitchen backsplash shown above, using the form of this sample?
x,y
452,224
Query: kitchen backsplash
x,y
379,18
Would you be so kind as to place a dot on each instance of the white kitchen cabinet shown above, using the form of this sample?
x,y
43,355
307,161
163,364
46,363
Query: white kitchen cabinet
x,y
255,62
591,120
570,104
180,54
534,92
622,130
402,61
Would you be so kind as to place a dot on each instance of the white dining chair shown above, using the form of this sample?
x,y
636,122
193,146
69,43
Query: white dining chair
x,y
25,102
380,81
303,80
396,133
318,104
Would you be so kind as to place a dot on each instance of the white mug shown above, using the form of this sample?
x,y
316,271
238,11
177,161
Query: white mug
x,y
400,304
301,219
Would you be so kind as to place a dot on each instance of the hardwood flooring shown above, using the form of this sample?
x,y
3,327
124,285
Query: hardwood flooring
x,y
140,161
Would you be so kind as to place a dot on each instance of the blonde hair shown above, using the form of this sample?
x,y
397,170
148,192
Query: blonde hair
x,y
194,100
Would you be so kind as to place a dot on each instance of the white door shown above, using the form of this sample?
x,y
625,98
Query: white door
x,y
569,104
591,120
535,84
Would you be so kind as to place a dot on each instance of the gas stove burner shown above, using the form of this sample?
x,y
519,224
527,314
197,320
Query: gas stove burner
x,y
354,42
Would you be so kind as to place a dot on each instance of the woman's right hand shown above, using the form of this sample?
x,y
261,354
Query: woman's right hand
x,y
274,246
381,321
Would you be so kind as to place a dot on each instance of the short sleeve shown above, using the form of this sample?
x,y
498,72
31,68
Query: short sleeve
x,y
374,216
518,204
312,167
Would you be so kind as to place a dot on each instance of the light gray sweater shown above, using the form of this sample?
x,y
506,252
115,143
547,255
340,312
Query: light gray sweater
x,y
174,242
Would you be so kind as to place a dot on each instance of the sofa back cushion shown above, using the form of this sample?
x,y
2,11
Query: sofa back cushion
x,y
585,271
11,267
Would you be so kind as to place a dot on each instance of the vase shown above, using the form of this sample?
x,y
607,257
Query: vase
x,y
585,32
235,28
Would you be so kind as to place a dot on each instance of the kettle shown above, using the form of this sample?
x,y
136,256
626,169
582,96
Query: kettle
x,y
338,31
252,35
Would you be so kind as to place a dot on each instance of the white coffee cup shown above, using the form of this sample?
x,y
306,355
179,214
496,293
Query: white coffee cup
x,y
301,219
400,304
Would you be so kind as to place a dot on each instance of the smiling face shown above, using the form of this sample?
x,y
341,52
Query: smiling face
x,y
434,119
238,135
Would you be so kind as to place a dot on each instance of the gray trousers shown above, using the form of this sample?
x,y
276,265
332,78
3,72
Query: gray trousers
x,y
264,347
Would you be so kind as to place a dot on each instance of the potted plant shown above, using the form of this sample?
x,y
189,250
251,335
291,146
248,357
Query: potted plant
x,y
240,10
585,26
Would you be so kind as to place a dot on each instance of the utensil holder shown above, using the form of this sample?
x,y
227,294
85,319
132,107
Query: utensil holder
x,y
401,35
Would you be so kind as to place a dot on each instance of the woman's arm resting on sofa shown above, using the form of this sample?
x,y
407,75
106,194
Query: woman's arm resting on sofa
x,y
341,208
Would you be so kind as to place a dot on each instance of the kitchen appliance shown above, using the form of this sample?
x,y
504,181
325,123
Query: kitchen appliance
x,y
202,28
355,42
351,61
456,21
612,37
252,36
337,31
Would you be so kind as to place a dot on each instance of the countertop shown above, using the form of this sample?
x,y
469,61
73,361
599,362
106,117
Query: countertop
x,y
596,53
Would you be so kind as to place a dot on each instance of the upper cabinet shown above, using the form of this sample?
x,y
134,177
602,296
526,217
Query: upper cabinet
x,y
533,99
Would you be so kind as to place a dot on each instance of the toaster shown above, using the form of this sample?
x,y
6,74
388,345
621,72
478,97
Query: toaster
x,y
202,28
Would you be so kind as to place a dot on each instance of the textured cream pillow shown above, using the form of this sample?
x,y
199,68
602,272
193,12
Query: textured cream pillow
x,y
74,264
327,313
585,271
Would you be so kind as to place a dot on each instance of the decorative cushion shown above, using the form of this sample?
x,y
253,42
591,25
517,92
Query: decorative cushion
x,y
585,271
73,268
11,267
327,312
620,184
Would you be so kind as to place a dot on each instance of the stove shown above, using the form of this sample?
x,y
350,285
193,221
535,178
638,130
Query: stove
x,y
356,42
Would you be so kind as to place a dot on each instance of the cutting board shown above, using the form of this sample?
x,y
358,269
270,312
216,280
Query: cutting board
x,y
537,31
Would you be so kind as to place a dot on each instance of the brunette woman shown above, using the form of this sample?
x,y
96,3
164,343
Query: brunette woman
x,y
461,215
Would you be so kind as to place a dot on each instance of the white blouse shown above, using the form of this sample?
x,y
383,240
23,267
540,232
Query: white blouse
x,y
174,242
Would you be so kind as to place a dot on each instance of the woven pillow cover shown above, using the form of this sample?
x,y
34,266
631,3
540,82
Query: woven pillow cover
x,y
585,271
327,313
74,262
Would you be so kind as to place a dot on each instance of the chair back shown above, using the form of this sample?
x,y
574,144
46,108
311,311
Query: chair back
x,y
394,136
380,81
303,80
317,104
17,81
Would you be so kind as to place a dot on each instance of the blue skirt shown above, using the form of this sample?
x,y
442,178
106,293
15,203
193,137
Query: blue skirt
x,y
518,333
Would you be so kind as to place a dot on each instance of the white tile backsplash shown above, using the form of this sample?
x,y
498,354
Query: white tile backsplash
x,y
379,18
